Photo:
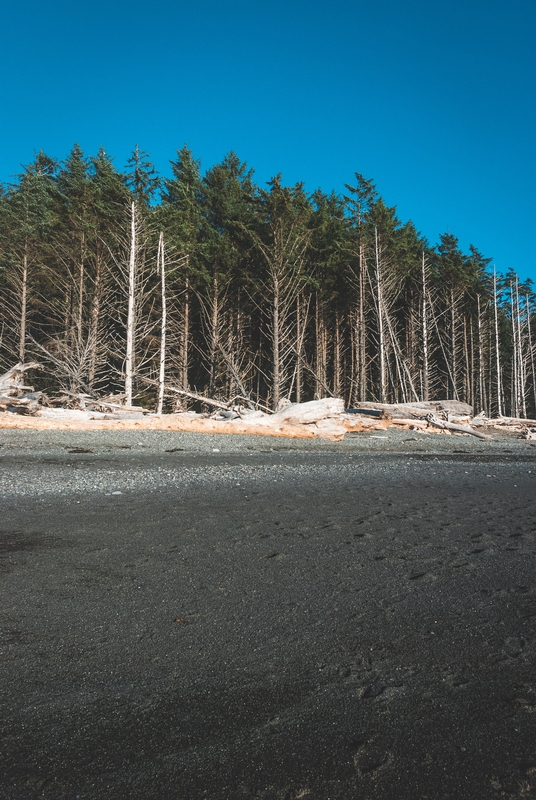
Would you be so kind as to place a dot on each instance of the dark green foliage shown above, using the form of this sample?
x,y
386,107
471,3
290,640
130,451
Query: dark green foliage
x,y
141,177
271,292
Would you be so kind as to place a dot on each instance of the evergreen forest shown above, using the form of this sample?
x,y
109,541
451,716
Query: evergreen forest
x,y
127,283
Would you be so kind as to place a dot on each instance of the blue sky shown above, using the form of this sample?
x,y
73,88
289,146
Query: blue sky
x,y
432,99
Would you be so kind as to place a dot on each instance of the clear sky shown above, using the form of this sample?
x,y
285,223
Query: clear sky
x,y
432,99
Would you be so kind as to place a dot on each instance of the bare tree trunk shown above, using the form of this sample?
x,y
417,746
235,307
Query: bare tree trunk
x,y
300,328
161,266
440,340
522,375
488,392
23,308
400,363
481,393
531,352
515,372
185,337
95,316
497,350
321,349
381,335
67,323
424,328
276,363
362,340
284,254
131,321
473,375
453,354
81,275
214,334
467,375
353,359
337,376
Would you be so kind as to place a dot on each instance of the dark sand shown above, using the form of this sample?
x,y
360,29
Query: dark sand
x,y
352,621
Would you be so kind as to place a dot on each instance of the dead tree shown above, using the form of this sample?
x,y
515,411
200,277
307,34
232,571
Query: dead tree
x,y
131,313
161,268
425,332
497,347
283,249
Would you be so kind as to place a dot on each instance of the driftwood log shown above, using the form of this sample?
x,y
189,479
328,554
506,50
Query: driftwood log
x,y
420,410
313,411
453,426
85,400
191,395
325,418
512,421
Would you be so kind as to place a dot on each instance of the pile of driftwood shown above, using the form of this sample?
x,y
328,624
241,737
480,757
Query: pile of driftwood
x,y
15,397
326,418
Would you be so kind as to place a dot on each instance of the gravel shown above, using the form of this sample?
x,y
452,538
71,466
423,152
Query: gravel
x,y
222,617
35,463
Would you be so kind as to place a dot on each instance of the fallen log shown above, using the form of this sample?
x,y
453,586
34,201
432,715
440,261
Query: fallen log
x,y
359,424
306,413
366,412
192,395
453,426
419,410
411,423
513,421
86,400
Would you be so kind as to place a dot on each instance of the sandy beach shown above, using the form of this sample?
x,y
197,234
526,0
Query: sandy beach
x,y
212,617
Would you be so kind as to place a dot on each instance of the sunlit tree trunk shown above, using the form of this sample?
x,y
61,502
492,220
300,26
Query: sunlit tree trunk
x,y
522,371
81,279
131,313
161,266
497,348
214,334
381,335
424,329
337,357
481,389
453,346
95,317
321,348
23,308
300,333
185,337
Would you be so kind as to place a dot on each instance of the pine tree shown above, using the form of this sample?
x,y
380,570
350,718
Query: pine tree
x,y
27,221
142,178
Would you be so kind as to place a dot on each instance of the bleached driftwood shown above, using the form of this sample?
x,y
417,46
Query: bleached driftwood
x,y
315,418
355,423
325,418
421,409
306,413
11,381
452,426
192,395
85,400
410,423
513,421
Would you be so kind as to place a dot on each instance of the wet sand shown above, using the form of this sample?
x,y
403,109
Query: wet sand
x,y
267,619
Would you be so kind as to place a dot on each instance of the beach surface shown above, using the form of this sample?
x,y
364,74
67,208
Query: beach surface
x,y
219,617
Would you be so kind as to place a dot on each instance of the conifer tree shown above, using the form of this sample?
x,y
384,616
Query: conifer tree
x,y
27,221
